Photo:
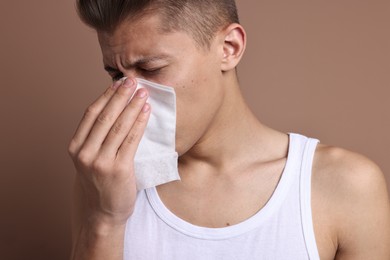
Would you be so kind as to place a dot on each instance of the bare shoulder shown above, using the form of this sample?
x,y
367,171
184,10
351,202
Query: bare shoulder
x,y
344,173
352,173
350,204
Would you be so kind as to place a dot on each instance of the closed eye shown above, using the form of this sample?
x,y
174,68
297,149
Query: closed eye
x,y
116,75
150,71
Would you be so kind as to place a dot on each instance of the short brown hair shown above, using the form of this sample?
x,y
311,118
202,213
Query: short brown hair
x,y
200,18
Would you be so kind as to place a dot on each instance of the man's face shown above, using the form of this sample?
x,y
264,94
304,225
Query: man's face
x,y
140,49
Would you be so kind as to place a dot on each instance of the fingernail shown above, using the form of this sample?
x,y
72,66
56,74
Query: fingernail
x,y
141,93
117,84
146,108
128,83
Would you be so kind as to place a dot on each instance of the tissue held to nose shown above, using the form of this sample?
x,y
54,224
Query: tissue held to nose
x,y
155,161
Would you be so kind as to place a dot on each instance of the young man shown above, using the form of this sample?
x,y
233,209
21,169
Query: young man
x,y
246,191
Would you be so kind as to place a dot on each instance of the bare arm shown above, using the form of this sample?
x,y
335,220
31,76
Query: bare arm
x,y
103,150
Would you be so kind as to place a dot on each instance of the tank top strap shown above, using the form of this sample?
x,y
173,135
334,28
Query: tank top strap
x,y
305,197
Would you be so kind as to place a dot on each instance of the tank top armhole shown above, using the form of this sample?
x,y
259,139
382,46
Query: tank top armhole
x,y
305,199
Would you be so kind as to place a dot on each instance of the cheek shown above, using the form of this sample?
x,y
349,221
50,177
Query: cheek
x,y
197,103
198,95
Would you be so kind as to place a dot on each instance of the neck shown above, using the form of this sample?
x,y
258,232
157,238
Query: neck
x,y
234,137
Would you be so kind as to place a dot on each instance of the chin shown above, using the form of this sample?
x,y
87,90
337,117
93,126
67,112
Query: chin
x,y
182,147
180,150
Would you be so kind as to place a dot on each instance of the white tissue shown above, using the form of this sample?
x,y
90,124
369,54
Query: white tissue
x,y
155,161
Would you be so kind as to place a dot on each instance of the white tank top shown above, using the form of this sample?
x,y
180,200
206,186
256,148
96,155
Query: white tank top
x,y
282,229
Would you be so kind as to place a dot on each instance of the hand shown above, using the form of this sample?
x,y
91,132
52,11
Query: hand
x,y
103,150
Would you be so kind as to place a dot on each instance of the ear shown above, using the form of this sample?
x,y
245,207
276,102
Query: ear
x,y
234,44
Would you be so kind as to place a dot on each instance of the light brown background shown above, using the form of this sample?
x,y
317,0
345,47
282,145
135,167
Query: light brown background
x,y
320,68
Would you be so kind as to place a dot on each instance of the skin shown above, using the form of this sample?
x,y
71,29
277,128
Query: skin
x,y
217,138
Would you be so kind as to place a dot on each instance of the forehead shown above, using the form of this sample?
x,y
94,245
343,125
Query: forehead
x,y
143,37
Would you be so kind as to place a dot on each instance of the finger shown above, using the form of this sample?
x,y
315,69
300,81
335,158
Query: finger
x,y
89,117
123,125
130,144
108,116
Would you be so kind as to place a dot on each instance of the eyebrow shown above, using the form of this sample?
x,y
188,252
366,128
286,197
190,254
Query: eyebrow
x,y
137,63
